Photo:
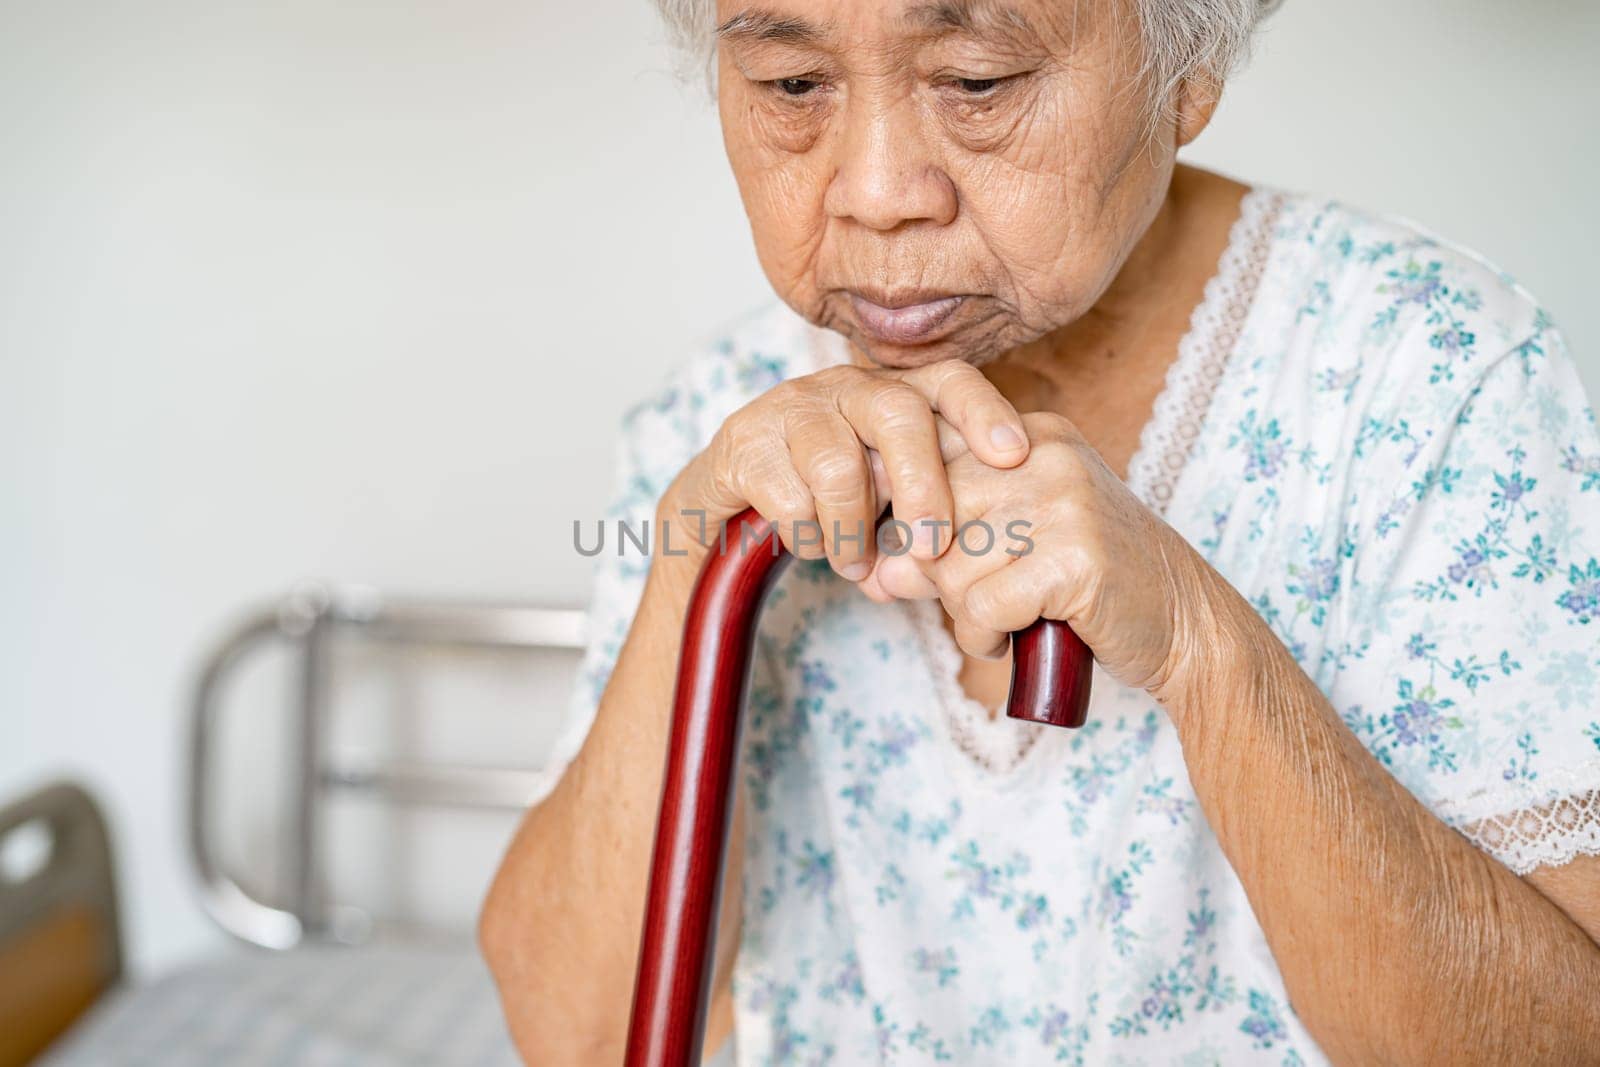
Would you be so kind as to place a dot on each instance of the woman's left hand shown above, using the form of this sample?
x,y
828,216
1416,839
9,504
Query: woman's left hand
x,y
1341,840
1127,583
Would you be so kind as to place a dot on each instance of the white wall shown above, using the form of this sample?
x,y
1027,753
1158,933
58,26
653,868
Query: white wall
x,y
358,290
1475,118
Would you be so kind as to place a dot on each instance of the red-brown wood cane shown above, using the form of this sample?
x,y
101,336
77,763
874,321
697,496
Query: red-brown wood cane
x,y
1049,684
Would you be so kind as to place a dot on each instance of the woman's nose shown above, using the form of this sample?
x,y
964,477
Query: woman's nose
x,y
885,173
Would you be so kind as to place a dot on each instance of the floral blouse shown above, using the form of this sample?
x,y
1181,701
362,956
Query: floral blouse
x,y
1376,437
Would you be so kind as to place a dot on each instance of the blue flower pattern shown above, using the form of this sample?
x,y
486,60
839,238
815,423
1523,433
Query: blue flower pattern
x,y
1398,469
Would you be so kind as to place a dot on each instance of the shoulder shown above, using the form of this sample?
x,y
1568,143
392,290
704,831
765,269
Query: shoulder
x,y
1407,300
1390,334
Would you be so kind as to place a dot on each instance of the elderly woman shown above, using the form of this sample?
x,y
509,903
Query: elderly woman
x,y
1321,493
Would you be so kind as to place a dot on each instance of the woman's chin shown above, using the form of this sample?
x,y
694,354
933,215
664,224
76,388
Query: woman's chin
x,y
902,357
879,353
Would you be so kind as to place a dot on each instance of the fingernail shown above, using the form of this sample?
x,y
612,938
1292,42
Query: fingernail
x,y
1005,439
856,571
927,537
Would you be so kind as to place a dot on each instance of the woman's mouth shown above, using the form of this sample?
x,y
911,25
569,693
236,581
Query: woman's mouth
x,y
910,321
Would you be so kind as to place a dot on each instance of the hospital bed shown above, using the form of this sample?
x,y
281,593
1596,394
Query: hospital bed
x,y
314,979
414,1006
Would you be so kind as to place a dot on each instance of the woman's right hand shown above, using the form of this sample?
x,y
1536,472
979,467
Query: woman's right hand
x,y
560,927
822,454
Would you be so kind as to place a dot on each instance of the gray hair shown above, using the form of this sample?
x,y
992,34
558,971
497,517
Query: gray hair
x,y
1183,39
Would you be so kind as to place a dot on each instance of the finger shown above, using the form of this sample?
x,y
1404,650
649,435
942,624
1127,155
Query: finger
x,y
998,603
1062,481
768,480
880,475
1013,597
891,539
977,549
982,548
903,577
832,461
981,643
895,420
874,591
987,421
952,446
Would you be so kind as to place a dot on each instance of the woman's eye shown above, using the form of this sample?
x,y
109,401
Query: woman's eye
x,y
977,86
794,86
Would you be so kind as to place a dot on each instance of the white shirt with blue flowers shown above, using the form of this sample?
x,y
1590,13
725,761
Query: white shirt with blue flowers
x,y
1382,442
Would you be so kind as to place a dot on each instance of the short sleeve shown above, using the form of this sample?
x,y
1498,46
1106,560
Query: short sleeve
x,y
1472,632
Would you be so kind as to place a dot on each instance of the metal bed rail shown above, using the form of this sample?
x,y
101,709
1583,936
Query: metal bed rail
x,y
306,621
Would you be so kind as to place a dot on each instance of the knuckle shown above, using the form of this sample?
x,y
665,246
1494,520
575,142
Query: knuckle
x,y
763,456
983,608
734,424
837,479
744,430
1075,561
964,391
966,469
779,494
1063,460
895,405
800,412
780,395
1058,457
832,379
955,372
722,452
919,488
790,503
979,642
717,448
1047,426
966,474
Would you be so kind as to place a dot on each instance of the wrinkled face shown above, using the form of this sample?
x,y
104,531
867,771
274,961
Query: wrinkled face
x,y
939,178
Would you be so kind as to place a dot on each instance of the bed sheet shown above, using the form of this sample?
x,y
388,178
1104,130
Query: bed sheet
x,y
356,1007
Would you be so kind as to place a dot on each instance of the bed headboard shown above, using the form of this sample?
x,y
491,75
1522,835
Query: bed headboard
x,y
60,943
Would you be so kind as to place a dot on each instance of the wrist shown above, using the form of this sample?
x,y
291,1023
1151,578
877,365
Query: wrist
x,y
1224,655
1242,700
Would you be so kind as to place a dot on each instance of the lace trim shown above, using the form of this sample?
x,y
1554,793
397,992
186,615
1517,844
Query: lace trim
x,y
1542,837
1553,822
995,743
1214,330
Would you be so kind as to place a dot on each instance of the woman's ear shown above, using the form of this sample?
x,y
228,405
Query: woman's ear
x,y
1197,102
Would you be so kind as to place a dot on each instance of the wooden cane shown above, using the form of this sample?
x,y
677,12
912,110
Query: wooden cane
x,y
1049,684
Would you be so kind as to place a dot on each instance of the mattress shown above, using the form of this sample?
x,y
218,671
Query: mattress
x,y
361,1007
355,1007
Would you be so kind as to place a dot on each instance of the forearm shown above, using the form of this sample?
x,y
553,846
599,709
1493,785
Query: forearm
x,y
1399,942
561,926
